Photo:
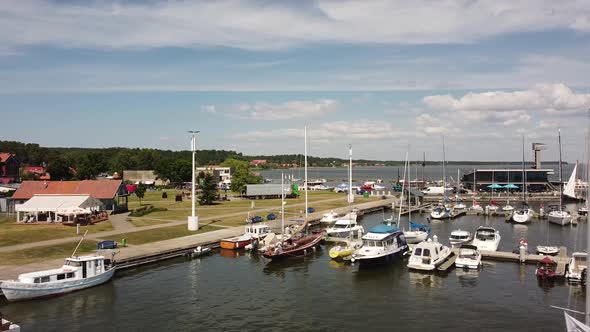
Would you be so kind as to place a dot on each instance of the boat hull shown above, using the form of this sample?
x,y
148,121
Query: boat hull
x,y
383,259
232,245
559,220
522,217
18,291
301,250
413,237
340,252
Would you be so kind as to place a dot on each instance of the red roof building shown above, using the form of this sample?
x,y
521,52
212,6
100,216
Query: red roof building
x,y
112,193
9,168
257,162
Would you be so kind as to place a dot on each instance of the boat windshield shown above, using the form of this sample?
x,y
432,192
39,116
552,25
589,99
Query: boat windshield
x,y
486,236
581,260
459,237
73,263
372,243
340,226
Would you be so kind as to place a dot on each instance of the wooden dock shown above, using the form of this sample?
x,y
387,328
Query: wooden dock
x,y
450,262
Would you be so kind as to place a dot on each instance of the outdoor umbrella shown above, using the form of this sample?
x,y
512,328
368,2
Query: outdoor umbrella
x,y
511,186
495,186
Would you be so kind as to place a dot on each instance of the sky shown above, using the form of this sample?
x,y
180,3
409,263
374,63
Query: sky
x,y
385,76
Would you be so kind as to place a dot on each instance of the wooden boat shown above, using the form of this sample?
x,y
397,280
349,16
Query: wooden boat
x,y
294,247
546,268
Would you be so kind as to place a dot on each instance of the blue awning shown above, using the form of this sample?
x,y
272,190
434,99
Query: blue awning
x,y
382,228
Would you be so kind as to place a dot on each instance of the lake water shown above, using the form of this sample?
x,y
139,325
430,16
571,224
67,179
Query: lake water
x,y
236,291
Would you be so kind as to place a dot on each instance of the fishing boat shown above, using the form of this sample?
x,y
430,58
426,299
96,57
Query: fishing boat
x,y
546,268
469,257
428,255
560,216
381,244
78,272
459,237
576,267
329,218
6,325
252,232
486,238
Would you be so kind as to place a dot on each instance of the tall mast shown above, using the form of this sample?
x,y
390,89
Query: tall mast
x,y
560,175
423,166
282,204
523,173
350,194
588,228
401,200
444,171
306,186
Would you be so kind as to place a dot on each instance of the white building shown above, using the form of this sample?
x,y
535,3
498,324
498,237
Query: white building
x,y
221,174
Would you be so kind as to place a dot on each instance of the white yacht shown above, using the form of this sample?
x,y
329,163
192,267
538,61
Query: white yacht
x,y
345,228
459,237
329,218
77,273
486,238
576,268
523,215
559,217
381,244
440,211
428,255
469,257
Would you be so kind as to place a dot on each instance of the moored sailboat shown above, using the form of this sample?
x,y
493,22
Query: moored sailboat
x,y
560,216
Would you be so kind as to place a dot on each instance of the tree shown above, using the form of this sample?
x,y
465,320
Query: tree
x,y
89,165
208,190
59,170
241,175
176,171
140,191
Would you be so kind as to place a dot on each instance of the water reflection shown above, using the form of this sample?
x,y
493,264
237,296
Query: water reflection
x,y
422,280
467,277
229,253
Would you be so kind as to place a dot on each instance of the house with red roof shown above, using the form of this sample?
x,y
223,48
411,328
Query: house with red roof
x,y
258,162
9,168
112,193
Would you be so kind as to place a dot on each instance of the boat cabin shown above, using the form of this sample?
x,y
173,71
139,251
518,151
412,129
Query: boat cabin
x,y
74,268
257,230
468,252
376,237
485,234
460,236
429,251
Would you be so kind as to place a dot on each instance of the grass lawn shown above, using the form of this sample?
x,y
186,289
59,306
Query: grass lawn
x,y
11,233
45,253
141,222
154,235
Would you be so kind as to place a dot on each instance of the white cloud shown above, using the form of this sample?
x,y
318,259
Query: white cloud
x,y
276,25
211,109
296,109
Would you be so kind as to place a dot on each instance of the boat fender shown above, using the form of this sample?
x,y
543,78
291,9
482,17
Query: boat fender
x,y
522,242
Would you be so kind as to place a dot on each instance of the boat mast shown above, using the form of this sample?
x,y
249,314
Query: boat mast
x,y
409,197
350,194
305,161
444,171
588,228
523,174
401,200
423,166
560,175
282,205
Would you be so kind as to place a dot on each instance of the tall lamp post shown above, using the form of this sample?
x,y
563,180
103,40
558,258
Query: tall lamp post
x,y
193,220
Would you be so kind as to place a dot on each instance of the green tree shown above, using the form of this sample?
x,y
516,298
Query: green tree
x,y
208,190
140,191
176,171
59,170
241,175
89,165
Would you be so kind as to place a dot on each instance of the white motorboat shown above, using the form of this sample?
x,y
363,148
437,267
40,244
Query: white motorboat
x,y
559,217
440,211
345,228
6,325
381,244
77,273
507,208
583,211
428,255
459,237
460,205
469,257
523,215
486,238
576,267
416,235
329,218
548,250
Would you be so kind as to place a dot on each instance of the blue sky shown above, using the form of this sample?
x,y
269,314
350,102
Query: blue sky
x,y
382,75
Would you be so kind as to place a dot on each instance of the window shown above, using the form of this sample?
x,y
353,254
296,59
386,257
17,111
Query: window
x,y
61,276
426,252
37,280
70,275
45,279
96,263
418,252
72,263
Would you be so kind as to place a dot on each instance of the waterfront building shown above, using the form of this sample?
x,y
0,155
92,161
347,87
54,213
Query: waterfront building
x,y
537,179
221,174
147,177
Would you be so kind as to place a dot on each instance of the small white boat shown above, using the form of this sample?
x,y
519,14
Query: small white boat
x,y
460,206
492,208
345,228
469,257
77,273
576,267
547,250
428,255
559,217
507,208
6,325
381,244
440,211
476,207
486,238
459,237
523,215
415,236
329,218
200,251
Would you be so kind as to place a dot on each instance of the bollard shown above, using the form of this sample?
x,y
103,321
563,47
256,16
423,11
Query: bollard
x,y
77,229
522,254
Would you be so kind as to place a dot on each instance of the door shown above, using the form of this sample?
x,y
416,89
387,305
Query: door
x,y
84,269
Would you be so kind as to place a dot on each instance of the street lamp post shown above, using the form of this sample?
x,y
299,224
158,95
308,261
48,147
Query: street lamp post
x,y
193,220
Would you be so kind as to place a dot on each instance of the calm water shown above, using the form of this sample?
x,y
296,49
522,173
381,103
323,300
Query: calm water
x,y
240,292
431,172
